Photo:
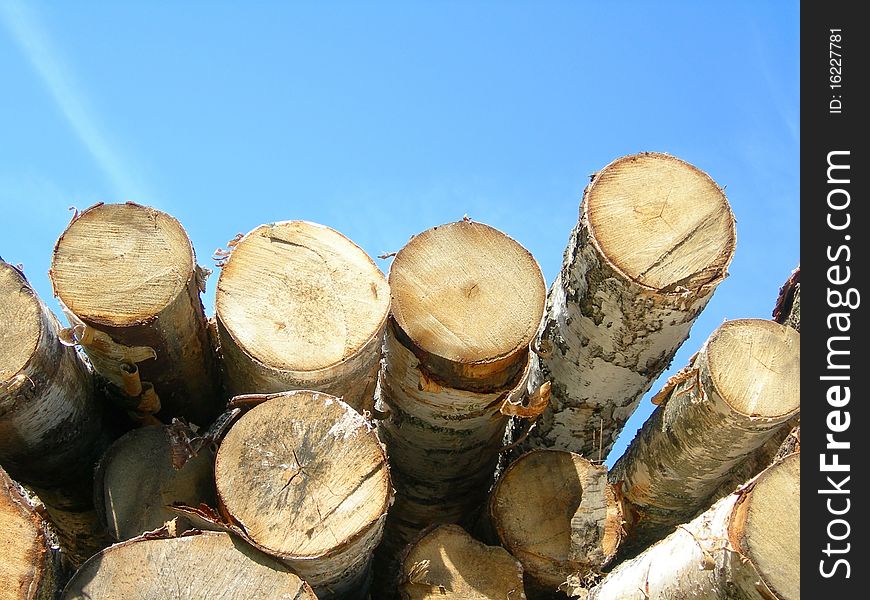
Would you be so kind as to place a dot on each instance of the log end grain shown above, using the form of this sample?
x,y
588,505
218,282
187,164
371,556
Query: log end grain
x,y
448,564
766,528
297,296
20,322
127,251
467,293
661,222
754,365
205,565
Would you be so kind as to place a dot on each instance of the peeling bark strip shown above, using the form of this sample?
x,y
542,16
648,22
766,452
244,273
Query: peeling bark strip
x,y
137,478
28,570
300,306
467,300
50,421
654,239
745,547
448,564
556,513
305,477
128,278
742,385
204,565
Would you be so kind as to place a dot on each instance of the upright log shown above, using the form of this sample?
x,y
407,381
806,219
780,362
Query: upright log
x,y
128,278
300,306
745,546
466,301
304,476
50,419
204,565
654,239
740,387
28,570
146,471
448,564
555,512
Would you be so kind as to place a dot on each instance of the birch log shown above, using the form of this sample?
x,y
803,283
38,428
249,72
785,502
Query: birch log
x,y
204,565
305,477
555,512
466,301
300,306
51,430
127,277
654,239
742,385
144,472
28,570
448,564
745,547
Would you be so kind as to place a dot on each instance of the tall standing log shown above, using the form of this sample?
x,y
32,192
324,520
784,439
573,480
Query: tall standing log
x,y
741,386
466,301
146,471
51,430
204,565
304,476
745,546
556,513
127,277
654,239
448,564
300,306
28,570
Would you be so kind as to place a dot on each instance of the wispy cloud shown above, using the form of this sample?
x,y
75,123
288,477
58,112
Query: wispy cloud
x,y
26,30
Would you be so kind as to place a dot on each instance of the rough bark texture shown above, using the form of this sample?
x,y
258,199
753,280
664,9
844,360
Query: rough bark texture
x,y
555,512
28,569
304,476
51,429
147,470
204,565
745,547
654,239
300,306
466,300
448,564
128,279
741,386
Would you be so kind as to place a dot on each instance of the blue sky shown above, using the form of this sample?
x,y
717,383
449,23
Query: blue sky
x,y
384,119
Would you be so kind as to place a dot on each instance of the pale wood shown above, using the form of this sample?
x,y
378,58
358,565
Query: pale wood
x,y
305,477
555,512
654,240
210,565
300,306
740,387
448,564
746,546
128,279
28,570
51,429
144,472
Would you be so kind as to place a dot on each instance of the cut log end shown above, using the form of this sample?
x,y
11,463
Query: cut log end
x,y
27,569
206,565
121,248
755,366
297,296
556,513
661,221
467,293
306,478
766,528
20,322
448,564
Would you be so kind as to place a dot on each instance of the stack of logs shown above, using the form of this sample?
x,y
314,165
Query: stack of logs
x,y
437,433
